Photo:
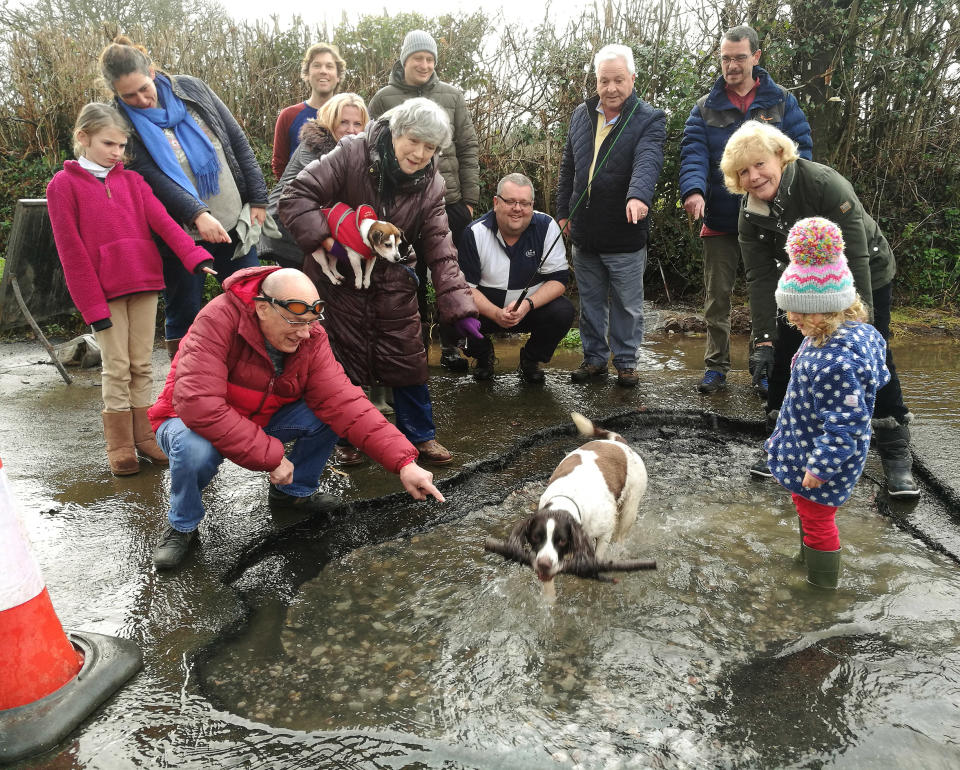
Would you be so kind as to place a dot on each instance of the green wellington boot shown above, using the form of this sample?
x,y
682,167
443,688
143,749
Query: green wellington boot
x,y
799,558
823,567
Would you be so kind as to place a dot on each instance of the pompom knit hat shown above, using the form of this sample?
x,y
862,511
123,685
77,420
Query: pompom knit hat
x,y
417,40
817,280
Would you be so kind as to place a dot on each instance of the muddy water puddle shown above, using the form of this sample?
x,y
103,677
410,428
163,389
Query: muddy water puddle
x,y
722,657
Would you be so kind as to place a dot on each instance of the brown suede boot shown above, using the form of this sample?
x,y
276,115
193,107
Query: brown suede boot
x,y
144,439
118,430
172,346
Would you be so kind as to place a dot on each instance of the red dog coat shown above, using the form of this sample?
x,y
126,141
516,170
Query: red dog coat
x,y
344,224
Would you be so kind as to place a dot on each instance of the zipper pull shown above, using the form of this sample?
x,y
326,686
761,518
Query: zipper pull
x,y
106,186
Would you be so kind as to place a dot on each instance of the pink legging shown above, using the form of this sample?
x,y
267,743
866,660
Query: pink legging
x,y
819,524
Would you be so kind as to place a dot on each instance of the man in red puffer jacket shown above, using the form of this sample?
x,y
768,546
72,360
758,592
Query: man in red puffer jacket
x,y
256,371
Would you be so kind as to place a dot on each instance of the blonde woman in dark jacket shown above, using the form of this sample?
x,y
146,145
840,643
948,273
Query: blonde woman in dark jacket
x,y
376,332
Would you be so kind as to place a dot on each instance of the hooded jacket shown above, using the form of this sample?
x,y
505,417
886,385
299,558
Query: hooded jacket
x,y
376,332
824,423
712,122
315,141
459,164
808,189
180,204
104,236
224,387
631,171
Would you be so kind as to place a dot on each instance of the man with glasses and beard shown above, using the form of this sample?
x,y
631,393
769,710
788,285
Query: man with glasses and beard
x,y
255,372
504,252
743,92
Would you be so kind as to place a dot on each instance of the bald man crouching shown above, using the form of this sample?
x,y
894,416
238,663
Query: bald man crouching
x,y
254,372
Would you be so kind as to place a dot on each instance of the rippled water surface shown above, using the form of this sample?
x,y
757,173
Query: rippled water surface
x,y
386,638
723,656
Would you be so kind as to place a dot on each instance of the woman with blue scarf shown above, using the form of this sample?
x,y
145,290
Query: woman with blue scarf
x,y
197,160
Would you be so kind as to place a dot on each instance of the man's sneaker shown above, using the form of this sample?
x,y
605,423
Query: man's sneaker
x,y
451,359
627,378
484,367
172,548
759,469
589,372
712,382
762,387
530,371
317,503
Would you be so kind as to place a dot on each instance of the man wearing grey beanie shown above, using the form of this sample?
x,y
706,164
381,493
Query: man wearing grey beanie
x,y
414,75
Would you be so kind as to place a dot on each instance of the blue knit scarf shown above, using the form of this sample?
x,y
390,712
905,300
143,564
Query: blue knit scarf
x,y
201,154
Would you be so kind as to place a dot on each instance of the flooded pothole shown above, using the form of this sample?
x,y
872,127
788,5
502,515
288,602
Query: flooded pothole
x,y
395,623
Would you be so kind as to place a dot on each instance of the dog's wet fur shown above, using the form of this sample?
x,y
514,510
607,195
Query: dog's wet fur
x,y
591,500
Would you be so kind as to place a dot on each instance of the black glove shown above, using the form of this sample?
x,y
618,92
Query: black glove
x,y
761,364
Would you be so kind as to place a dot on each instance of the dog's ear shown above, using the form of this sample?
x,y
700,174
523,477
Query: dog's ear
x,y
518,535
582,544
376,237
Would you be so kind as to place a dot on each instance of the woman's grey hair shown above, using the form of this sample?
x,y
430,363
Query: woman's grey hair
x,y
518,179
614,51
421,119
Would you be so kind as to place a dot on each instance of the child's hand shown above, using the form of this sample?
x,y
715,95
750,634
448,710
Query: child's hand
x,y
209,270
810,481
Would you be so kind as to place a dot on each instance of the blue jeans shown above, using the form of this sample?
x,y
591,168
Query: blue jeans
x,y
183,295
194,461
611,298
414,412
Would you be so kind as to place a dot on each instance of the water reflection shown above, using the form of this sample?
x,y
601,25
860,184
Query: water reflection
x,y
702,663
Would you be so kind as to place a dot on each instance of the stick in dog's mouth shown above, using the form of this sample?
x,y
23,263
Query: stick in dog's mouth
x,y
589,569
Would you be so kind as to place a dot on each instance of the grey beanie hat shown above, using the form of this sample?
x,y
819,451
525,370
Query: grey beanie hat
x,y
417,40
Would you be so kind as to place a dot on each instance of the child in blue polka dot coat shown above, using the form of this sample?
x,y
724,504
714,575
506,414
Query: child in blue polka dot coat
x,y
819,446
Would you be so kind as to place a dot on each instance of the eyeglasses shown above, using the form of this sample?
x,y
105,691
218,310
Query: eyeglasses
x,y
511,203
740,58
297,307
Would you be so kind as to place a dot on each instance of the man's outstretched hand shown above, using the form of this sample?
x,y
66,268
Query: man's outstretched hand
x,y
419,482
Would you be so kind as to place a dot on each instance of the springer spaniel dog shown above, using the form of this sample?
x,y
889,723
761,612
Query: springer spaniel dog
x,y
591,501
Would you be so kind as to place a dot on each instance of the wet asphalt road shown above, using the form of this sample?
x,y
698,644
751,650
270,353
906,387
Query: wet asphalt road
x,y
92,533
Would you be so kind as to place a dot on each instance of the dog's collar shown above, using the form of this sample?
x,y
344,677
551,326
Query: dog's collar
x,y
576,507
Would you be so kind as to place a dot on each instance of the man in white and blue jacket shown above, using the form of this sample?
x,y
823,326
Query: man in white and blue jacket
x,y
743,92
500,256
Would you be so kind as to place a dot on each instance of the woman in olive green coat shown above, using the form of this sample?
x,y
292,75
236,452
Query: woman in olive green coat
x,y
778,188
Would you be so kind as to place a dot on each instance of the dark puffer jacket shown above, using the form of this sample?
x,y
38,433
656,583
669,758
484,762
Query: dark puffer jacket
x,y
315,142
180,204
223,385
712,122
600,222
375,332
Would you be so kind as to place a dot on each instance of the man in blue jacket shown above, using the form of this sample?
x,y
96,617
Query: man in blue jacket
x,y
611,163
743,92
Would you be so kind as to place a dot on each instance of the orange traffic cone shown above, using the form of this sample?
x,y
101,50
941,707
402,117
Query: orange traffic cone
x,y
42,698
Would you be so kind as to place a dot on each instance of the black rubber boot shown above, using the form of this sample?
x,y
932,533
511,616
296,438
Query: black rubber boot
x,y
759,469
800,557
893,444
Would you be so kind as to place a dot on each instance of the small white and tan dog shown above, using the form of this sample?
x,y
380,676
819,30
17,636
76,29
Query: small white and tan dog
x,y
591,500
363,237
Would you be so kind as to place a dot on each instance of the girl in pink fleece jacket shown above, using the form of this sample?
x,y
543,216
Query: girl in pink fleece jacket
x,y
104,218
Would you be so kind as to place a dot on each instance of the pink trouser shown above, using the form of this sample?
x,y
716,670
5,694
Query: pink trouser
x,y
819,524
